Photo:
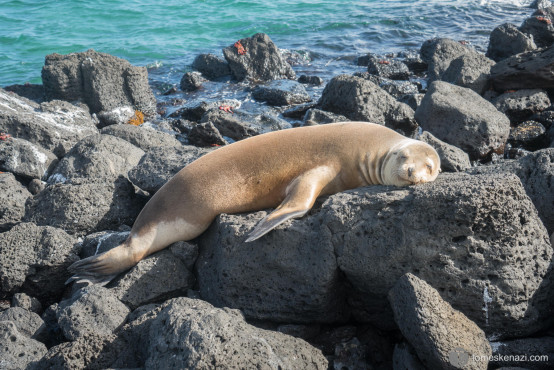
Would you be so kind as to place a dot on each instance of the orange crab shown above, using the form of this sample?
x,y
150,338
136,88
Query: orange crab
x,y
544,20
4,136
240,49
464,42
384,62
226,108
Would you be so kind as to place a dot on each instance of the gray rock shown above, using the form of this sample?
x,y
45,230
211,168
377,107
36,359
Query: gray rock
x,y
25,159
299,111
97,157
85,206
211,66
540,4
507,353
506,40
102,81
147,282
36,186
193,334
405,358
261,60
536,172
34,260
434,328
539,26
117,116
388,68
362,100
469,70
522,104
91,310
101,242
191,81
317,116
281,92
412,100
194,111
438,53
144,137
30,91
26,302
161,164
398,88
28,323
310,80
16,350
531,70
529,135
55,126
206,134
453,159
461,117
13,196
237,126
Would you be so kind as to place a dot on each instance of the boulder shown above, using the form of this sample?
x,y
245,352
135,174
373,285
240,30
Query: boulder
x,y
237,126
539,26
55,126
191,81
211,66
83,206
453,159
317,116
27,323
506,40
529,135
361,100
531,70
257,58
398,88
161,164
469,70
13,196
18,351
117,116
143,136
538,352
26,302
438,332
25,159
540,4
461,117
310,80
195,110
91,310
206,134
521,104
193,334
281,92
34,260
536,172
99,158
438,53
388,68
102,81
147,282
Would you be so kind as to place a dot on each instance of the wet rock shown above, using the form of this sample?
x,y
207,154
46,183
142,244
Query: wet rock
x,y
55,126
34,260
116,116
26,302
85,206
268,278
453,159
191,81
261,60
193,334
388,68
522,104
13,196
434,328
310,80
414,61
27,323
99,158
16,350
511,353
438,53
362,100
536,172
195,112
281,92
540,27
211,66
318,116
161,164
531,70
32,92
206,134
506,40
470,70
540,4
144,137
405,357
91,310
461,117
299,111
147,282
234,125
529,135
25,159
102,81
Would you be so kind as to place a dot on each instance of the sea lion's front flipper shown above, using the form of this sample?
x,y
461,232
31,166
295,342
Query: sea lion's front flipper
x,y
300,196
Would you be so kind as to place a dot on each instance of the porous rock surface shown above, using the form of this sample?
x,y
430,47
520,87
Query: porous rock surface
x,y
438,53
433,327
469,70
13,196
17,351
522,104
281,92
28,323
143,137
25,159
506,40
453,159
211,66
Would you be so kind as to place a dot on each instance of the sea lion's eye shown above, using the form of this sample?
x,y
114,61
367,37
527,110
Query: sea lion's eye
x,y
430,168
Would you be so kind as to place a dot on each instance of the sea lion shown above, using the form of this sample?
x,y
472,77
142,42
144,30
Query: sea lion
x,y
286,169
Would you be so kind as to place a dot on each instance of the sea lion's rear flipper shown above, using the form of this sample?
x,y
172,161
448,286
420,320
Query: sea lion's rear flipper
x,y
300,196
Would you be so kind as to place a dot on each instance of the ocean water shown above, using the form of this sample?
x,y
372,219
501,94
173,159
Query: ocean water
x,y
166,35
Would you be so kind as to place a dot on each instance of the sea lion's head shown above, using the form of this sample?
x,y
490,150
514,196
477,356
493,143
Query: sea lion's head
x,y
410,162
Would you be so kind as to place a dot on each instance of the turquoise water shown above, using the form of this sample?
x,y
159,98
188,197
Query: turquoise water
x,y
167,34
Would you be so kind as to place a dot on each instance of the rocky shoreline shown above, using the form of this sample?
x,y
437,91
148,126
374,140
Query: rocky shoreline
x,y
457,273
